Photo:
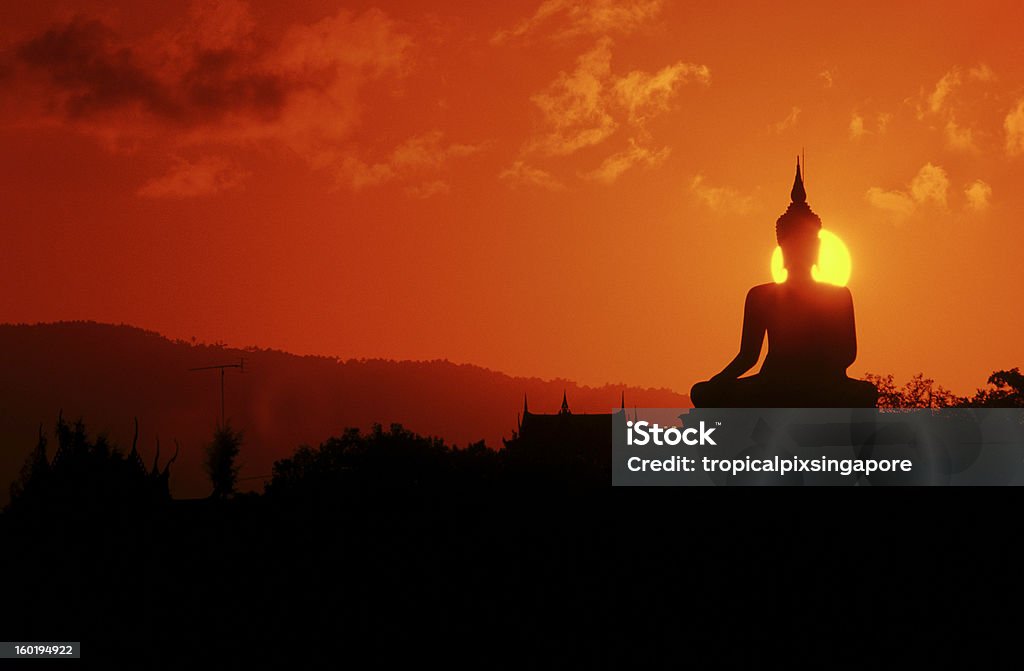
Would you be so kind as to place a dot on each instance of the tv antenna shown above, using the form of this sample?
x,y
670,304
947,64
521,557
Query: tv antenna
x,y
222,367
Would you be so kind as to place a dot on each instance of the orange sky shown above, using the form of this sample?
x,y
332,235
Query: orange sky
x,y
551,188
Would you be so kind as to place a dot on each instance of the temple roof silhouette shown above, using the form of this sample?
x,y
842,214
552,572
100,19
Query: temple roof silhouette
x,y
564,435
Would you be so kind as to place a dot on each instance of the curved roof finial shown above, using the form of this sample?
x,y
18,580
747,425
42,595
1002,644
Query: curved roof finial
x,y
798,194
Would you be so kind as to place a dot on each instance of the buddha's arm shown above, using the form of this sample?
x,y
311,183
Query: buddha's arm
x,y
849,345
844,350
752,339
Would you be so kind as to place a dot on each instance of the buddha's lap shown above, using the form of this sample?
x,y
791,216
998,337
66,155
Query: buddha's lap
x,y
760,391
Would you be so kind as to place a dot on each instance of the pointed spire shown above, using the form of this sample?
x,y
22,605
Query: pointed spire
x,y
526,406
565,403
623,405
798,194
167,466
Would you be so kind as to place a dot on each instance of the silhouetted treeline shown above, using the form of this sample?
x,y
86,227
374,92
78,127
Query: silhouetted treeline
x,y
1006,391
396,458
91,474
88,474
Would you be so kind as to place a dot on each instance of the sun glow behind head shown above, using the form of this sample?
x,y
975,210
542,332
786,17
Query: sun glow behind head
x,y
834,263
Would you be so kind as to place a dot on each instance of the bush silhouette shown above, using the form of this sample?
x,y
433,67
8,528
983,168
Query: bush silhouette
x,y
220,460
923,392
380,459
1008,392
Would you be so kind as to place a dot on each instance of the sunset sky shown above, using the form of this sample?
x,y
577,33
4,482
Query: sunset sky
x,y
547,187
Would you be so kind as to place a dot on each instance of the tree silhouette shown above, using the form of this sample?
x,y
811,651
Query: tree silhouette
x,y
34,473
918,392
220,460
1008,392
396,458
923,392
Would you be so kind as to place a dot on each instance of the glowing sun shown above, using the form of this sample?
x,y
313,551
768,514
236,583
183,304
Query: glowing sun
x,y
833,265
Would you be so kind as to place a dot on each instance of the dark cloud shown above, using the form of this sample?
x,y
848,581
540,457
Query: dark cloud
x,y
90,71
82,60
214,80
220,81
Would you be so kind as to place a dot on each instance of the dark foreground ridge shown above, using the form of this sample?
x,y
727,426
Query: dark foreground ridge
x,y
556,577
388,544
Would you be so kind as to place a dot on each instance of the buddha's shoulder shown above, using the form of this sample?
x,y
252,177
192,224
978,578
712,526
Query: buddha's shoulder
x,y
769,290
763,290
834,291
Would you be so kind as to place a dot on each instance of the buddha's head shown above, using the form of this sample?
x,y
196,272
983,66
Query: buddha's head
x,y
800,246
797,232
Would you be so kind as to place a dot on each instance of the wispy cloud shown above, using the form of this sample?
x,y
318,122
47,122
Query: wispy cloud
x,y
950,106
1013,125
940,94
616,164
929,186
645,95
436,187
586,106
828,77
860,126
788,122
721,199
978,194
982,73
857,129
414,157
576,105
520,173
561,19
589,105
188,179
897,203
959,138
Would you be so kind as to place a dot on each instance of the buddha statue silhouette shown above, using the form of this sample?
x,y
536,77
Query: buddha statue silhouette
x,y
811,334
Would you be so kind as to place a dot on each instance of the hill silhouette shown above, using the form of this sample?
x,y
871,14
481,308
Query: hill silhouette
x,y
109,374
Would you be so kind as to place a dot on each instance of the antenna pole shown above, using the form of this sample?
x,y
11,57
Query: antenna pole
x,y
223,367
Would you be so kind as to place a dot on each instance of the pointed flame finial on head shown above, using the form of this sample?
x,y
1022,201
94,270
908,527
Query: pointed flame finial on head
x,y
798,194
